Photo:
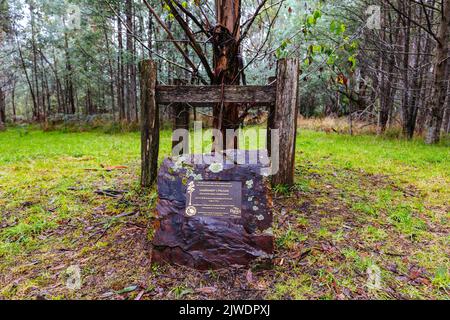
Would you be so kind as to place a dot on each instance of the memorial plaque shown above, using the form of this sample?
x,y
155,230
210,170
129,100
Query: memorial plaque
x,y
214,199
212,217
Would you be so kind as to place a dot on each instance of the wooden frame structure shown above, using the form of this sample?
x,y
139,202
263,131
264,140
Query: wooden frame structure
x,y
282,99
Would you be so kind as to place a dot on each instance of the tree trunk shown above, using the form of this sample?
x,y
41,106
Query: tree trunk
x,y
446,124
440,81
150,34
120,70
406,114
387,79
37,110
2,110
131,69
59,94
111,73
29,82
70,95
13,101
416,84
226,63
149,123
45,92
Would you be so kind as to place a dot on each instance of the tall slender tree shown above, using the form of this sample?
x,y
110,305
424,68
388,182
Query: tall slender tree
x,y
440,82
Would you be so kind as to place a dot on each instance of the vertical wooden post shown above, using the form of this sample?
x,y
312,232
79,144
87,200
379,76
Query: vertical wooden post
x,y
181,117
270,120
286,111
149,123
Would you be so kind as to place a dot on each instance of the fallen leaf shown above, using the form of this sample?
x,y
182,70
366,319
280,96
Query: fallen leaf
x,y
127,289
107,295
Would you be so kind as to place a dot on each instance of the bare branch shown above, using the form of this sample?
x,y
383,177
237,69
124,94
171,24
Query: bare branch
x,y
198,50
263,44
192,17
427,30
252,19
170,35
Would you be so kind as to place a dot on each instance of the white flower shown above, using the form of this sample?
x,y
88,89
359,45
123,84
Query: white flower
x,y
216,167
249,184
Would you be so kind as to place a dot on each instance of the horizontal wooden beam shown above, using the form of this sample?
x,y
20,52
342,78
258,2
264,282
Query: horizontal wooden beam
x,y
258,95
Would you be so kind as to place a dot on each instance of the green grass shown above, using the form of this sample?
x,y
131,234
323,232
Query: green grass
x,y
357,202
414,162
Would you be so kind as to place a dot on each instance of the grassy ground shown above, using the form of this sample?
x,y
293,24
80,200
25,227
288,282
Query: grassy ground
x,y
361,205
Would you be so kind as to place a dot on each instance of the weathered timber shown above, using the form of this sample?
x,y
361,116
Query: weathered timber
x,y
270,119
181,118
207,242
286,111
216,94
149,123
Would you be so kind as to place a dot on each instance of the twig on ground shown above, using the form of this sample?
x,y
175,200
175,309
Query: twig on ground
x,y
110,193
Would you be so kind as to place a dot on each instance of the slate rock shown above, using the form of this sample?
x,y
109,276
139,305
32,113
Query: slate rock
x,y
204,242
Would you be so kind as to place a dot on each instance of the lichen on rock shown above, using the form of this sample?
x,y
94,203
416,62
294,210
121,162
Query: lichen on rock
x,y
212,242
216,167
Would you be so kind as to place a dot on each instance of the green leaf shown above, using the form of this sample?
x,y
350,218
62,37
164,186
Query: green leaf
x,y
127,290
333,26
307,62
328,51
353,61
317,14
316,49
184,4
331,60
280,53
337,28
311,21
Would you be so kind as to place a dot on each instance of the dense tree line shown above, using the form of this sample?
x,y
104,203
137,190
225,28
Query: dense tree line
x,y
381,61
407,62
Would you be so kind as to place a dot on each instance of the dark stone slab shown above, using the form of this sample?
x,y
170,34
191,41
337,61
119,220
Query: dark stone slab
x,y
212,242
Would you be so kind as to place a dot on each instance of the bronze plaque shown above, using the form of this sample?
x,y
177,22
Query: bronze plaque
x,y
214,199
